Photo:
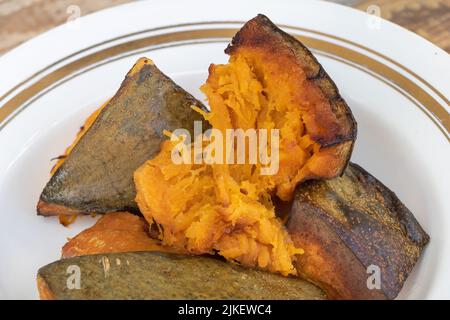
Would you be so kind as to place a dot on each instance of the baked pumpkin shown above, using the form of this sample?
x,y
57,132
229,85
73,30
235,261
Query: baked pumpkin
x,y
113,232
271,82
96,174
360,240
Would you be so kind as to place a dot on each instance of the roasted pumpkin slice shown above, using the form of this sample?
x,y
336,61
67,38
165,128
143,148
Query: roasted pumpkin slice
x,y
153,275
272,83
360,241
96,175
113,232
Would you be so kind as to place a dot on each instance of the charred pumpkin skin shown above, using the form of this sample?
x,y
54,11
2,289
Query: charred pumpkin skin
x,y
349,223
97,175
328,119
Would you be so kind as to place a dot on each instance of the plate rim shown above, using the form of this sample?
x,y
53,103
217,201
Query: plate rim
x,y
116,8
438,112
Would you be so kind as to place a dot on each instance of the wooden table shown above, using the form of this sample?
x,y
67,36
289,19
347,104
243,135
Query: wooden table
x,y
21,20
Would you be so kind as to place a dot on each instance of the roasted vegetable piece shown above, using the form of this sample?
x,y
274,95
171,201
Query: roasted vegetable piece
x,y
83,129
349,224
270,82
152,275
203,215
295,95
113,232
97,175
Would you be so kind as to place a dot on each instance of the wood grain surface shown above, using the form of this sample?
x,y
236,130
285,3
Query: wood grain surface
x,y
428,18
21,20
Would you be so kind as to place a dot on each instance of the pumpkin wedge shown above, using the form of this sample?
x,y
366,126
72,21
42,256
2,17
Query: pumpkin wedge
x,y
360,240
271,82
154,275
97,174
113,232
296,95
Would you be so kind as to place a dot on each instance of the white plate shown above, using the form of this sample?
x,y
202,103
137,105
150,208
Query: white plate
x,y
395,82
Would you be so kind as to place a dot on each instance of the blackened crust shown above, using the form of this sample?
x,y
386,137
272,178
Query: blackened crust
x,y
261,32
349,224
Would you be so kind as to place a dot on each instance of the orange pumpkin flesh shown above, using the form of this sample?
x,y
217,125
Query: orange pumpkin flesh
x,y
271,81
207,208
114,232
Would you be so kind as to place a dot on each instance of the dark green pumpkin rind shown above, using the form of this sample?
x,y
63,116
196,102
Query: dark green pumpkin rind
x,y
97,176
153,275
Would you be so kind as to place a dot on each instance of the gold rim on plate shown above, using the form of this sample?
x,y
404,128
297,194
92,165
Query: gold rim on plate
x,y
405,86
